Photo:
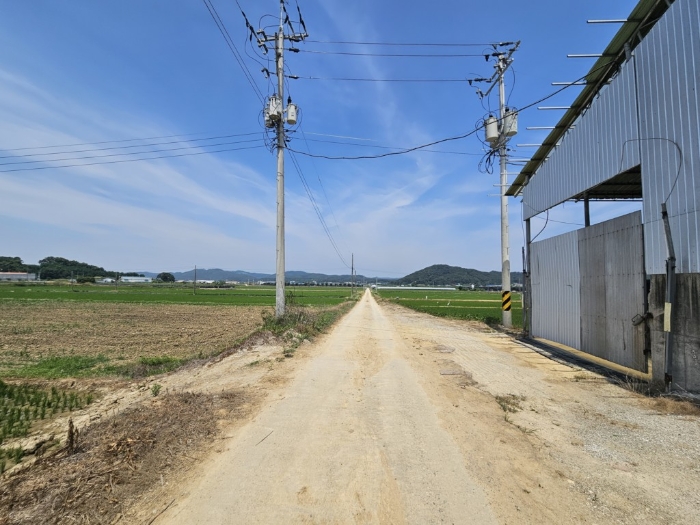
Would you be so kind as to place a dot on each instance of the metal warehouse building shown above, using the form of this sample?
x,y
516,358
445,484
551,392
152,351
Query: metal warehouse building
x,y
632,133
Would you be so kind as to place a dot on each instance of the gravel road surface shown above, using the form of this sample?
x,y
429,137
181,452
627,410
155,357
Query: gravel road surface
x,y
398,417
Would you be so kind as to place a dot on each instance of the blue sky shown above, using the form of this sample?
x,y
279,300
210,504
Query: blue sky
x,y
84,72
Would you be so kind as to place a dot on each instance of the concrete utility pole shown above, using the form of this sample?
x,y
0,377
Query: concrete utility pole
x,y
279,288
352,272
505,244
275,116
498,132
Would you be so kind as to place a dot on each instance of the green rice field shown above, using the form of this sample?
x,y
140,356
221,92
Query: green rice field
x,y
175,294
478,306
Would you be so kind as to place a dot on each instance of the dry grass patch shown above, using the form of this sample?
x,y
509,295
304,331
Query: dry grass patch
x,y
675,406
116,462
510,403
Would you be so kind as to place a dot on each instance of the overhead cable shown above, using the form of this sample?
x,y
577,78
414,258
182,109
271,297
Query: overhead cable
x,y
86,157
229,41
409,55
215,137
347,79
441,141
316,208
104,142
408,44
130,160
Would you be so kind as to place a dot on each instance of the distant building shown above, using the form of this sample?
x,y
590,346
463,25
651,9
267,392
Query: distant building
x,y
133,280
17,276
106,280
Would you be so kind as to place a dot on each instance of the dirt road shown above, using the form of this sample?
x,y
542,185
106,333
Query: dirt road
x,y
398,417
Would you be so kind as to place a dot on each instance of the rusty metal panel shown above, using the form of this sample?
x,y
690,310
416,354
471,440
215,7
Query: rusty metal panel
x,y
555,290
668,76
602,144
613,284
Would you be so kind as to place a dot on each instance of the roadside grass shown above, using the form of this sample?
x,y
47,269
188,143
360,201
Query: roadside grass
x,y
676,406
302,323
657,399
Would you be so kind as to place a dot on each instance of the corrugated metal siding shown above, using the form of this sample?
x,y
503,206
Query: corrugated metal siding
x,y
612,290
597,149
555,290
668,69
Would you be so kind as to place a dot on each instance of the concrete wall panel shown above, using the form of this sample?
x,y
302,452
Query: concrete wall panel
x,y
613,285
555,290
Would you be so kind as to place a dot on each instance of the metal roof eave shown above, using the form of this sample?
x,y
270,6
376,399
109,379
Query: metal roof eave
x,y
639,23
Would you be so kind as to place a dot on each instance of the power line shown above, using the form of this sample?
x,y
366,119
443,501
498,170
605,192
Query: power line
x,y
103,142
409,55
229,41
316,208
392,147
448,139
120,147
417,44
347,79
390,153
130,160
86,157
318,176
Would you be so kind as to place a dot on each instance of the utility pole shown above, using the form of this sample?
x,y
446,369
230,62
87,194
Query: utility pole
x,y
352,274
279,282
275,117
498,133
194,283
505,244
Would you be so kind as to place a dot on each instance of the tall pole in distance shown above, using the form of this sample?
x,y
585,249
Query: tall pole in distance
x,y
352,271
505,248
279,288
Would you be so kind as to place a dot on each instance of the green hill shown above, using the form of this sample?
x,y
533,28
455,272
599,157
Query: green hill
x,y
444,275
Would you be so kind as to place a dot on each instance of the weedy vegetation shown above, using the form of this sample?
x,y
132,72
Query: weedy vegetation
x,y
22,404
510,403
302,323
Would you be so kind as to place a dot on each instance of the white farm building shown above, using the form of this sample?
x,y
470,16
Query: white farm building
x,y
133,280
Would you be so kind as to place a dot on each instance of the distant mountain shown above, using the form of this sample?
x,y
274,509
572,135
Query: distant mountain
x,y
217,274
444,275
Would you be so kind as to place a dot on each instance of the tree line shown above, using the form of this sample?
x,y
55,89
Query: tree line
x,y
59,268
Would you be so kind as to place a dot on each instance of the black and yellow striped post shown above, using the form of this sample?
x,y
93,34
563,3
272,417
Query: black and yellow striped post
x,y
505,302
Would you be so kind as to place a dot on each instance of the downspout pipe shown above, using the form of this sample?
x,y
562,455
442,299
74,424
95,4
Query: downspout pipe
x,y
670,299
